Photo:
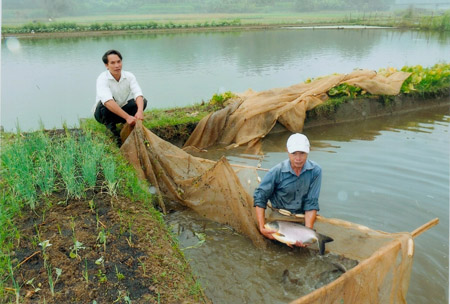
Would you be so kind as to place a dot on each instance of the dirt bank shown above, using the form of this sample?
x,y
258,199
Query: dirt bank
x,y
328,114
366,108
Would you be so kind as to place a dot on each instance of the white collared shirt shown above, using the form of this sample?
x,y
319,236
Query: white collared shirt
x,y
121,91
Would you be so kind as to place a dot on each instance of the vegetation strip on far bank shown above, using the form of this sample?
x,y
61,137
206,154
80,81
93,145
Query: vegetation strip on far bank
x,y
402,19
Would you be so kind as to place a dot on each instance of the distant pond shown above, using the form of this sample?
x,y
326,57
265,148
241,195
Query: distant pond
x,y
52,81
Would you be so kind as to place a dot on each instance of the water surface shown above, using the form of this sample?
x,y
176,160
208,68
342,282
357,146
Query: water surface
x,y
53,80
390,174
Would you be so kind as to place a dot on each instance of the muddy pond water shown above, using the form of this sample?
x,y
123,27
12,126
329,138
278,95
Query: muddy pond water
x,y
389,174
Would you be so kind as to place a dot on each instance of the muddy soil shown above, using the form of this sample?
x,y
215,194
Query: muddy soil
x,y
106,249
359,109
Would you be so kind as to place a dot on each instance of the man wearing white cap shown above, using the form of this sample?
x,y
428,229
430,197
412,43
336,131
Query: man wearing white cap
x,y
292,185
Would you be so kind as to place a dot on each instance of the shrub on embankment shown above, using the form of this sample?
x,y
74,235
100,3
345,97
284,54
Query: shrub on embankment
x,y
411,19
423,83
431,23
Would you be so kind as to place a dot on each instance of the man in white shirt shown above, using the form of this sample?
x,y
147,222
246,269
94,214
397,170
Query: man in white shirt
x,y
119,96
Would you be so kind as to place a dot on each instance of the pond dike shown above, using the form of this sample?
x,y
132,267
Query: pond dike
x,y
329,113
360,109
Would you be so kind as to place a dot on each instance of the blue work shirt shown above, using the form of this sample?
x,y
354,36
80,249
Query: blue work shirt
x,y
286,190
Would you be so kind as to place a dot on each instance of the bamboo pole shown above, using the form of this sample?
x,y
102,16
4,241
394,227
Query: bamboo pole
x,y
249,167
237,166
424,227
232,165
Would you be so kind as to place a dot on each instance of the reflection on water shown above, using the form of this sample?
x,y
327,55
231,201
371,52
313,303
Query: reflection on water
x,y
422,122
389,173
54,79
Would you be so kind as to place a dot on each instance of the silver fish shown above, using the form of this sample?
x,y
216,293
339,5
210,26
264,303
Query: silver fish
x,y
290,232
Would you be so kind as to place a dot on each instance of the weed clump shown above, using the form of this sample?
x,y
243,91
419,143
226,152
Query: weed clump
x,y
220,100
424,80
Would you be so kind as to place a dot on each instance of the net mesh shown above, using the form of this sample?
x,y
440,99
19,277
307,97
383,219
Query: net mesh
x,y
212,189
384,269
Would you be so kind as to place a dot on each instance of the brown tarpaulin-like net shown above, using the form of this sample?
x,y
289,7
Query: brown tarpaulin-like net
x,y
212,189
254,114
222,192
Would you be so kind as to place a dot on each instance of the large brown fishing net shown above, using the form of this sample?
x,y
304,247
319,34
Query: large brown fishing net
x,y
253,114
222,192
210,188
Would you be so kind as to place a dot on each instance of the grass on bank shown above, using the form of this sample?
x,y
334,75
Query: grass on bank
x,y
174,123
161,118
39,167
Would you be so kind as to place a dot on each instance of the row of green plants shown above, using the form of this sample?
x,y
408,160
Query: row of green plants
x,y
35,166
108,26
60,8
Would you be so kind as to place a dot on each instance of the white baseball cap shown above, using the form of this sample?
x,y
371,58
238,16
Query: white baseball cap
x,y
298,142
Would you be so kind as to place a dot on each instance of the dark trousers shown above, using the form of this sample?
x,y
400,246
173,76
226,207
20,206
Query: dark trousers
x,y
109,119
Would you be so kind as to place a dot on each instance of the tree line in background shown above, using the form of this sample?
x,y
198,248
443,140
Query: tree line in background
x,y
60,8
